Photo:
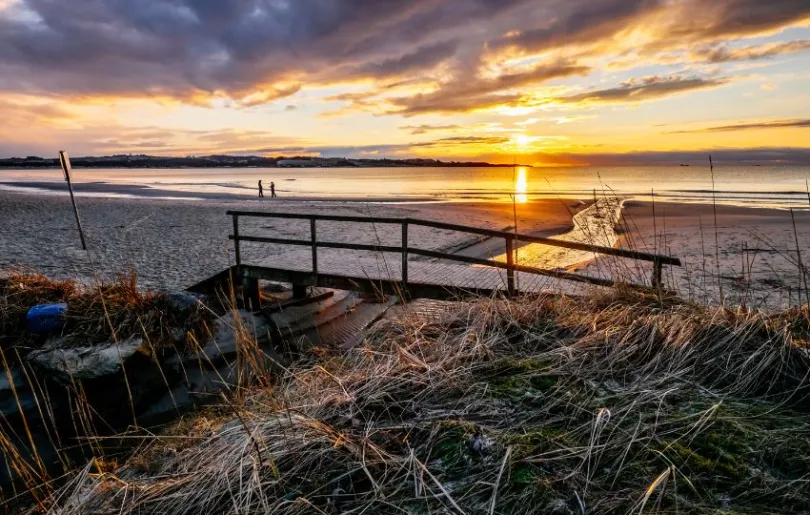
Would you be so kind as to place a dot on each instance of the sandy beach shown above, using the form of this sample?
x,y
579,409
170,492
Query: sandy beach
x,y
176,243
749,257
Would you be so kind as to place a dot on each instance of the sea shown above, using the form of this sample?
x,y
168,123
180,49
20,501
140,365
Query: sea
x,y
752,186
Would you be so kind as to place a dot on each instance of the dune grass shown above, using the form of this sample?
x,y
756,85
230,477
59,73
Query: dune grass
x,y
100,313
617,403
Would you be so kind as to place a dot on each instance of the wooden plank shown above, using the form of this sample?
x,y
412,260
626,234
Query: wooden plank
x,y
314,241
320,244
632,254
331,218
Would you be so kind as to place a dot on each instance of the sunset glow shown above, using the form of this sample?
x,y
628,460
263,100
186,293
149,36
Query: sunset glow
x,y
553,81
521,185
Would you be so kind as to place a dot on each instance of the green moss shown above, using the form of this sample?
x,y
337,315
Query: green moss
x,y
538,440
450,442
519,385
523,475
705,458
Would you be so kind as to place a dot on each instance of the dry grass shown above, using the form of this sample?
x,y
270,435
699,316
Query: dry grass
x,y
96,314
18,292
613,404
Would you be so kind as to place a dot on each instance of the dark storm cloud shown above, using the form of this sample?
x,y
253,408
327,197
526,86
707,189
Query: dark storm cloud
x,y
649,88
776,124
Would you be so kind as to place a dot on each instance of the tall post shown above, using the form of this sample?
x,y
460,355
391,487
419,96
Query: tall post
x,y
314,239
64,161
510,262
236,239
405,253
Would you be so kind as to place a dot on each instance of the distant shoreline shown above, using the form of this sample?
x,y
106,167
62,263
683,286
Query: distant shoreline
x,y
143,161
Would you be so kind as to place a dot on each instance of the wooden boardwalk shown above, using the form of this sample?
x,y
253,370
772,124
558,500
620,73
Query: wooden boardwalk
x,y
407,269
433,278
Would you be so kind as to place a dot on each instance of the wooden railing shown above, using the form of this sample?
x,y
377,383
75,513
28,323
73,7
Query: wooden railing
x,y
510,239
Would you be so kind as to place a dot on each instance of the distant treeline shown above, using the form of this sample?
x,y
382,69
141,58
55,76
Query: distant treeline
x,y
144,161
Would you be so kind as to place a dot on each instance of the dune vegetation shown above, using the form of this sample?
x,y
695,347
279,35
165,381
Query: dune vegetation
x,y
616,403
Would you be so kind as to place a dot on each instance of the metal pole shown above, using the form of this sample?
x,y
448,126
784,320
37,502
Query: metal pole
x,y
64,161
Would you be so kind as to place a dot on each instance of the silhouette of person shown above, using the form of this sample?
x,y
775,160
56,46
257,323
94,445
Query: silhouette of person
x,y
261,190
272,190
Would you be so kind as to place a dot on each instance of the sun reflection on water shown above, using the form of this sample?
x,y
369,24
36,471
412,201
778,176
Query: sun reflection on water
x,y
521,185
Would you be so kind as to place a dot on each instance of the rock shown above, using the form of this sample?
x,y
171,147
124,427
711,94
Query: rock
x,y
83,363
183,302
480,444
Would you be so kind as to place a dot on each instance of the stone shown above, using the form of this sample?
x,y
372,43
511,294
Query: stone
x,y
182,302
64,363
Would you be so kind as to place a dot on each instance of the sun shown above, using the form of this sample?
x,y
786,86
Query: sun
x,y
521,140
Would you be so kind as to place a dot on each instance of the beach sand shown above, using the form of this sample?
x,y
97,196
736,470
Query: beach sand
x,y
754,261
175,243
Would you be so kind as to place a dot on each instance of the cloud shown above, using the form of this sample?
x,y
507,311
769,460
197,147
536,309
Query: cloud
x,y
238,48
724,54
698,20
774,124
577,22
462,140
412,58
649,88
31,111
425,128
466,96
421,60
264,96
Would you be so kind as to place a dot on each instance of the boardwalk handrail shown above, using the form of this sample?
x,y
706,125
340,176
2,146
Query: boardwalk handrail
x,y
510,239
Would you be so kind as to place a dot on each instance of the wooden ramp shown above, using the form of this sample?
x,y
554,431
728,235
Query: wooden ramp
x,y
382,274
410,270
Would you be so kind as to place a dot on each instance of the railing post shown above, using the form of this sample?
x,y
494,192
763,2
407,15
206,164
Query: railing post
x,y
657,274
236,239
313,237
510,261
405,253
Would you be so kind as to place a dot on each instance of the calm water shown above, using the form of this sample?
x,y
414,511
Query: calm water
x,y
750,186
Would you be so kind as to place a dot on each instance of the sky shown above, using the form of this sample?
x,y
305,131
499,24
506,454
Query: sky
x,y
542,82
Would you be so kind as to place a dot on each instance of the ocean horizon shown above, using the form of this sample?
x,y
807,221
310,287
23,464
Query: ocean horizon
x,y
779,187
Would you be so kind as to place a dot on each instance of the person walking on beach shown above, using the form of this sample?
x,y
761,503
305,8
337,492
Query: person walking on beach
x,y
261,190
272,190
